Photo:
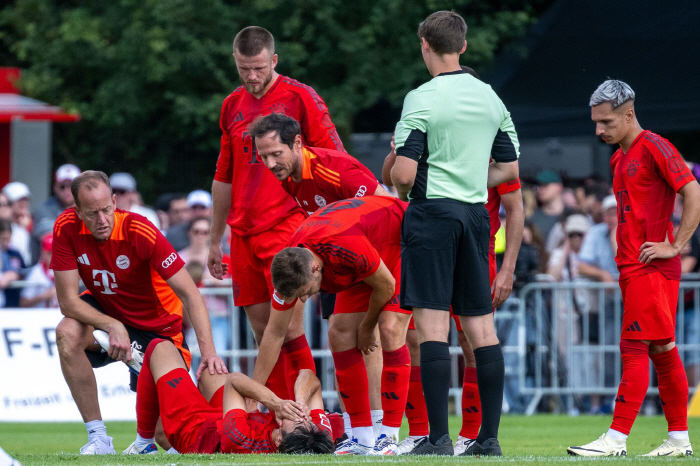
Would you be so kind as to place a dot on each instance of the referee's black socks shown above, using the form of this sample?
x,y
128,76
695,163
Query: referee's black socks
x,y
490,374
435,372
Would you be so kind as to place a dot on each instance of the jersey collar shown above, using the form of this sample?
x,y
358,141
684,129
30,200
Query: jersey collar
x,y
448,73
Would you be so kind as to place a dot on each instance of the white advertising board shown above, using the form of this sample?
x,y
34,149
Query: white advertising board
x,y
32,387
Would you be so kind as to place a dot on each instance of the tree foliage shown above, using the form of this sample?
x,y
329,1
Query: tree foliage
x,y
149,76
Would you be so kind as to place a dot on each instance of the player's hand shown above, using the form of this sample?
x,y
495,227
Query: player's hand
x,y
119,342
217,268
288,409
214,363
501,287
393,144
365,339
651,251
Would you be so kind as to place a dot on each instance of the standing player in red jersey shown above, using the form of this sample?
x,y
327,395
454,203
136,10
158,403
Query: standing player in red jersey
x,y
510,196
248,197
136,288
314,177
213,419
647,174
353,248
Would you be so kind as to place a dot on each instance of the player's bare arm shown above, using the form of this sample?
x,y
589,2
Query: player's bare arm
x,y
689,223
187,291
389,164
246,387
307,390
591,271
221,205
515,217
403,175
501,172
271,343
383,288
67,290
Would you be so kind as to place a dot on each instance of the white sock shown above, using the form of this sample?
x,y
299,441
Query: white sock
x,y
679,435
142,442
377,417
172,451
95,429
391,432
364,435
617,435
348,426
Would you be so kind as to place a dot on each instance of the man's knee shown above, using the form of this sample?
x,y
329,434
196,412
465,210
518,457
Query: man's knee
x,y
258,316
660,347
432,325
71,336
392,330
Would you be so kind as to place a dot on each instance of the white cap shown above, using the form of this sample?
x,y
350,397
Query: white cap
x,y
15,191
609,202
577,224
123,181
199,197
67,172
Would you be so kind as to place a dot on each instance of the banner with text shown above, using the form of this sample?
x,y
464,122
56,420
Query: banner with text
x,y
32,387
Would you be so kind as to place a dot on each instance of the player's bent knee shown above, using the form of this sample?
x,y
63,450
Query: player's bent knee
x,y
657,347
71,336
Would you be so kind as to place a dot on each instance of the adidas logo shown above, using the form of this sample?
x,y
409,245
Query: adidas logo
x,y
634,327
83,259
175,382
390,395
473,409
620,399
239,117
409,406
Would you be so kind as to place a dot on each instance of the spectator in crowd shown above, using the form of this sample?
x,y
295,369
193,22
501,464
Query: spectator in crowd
x,y
597,256
42,290
592,205
198,205
172,210
18,194
530,256
551,202
689,321
48,211
128,198
11,263
563,263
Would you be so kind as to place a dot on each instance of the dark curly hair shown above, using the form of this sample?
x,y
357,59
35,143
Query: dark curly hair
x,y
306,441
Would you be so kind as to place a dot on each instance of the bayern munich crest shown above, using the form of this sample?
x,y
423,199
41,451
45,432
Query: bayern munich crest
x,y
320,201
123,262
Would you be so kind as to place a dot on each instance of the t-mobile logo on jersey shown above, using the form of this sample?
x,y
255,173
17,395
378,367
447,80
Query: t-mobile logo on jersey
x,y
108,281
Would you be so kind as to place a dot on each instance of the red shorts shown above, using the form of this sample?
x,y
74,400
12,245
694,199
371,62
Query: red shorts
x,y
189,421
356,298
251,279
649,303
493,270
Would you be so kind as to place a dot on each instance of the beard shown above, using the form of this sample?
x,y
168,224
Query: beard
x,y
257,88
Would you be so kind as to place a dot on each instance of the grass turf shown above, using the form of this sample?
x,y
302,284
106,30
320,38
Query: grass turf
x,y
525,440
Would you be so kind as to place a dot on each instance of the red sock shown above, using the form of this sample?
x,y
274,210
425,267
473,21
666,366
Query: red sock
x,y
396,373
277,381
297,356
416,412
147,411
351,374
673,388
471,405
634,384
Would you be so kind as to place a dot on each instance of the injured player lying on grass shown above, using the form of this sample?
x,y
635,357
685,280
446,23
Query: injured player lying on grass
x,y
215,420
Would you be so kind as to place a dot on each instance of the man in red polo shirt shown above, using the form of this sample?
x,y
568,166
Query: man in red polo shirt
x,y
246,195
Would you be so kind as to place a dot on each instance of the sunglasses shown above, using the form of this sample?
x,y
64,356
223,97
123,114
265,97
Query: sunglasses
x,y
575,235
200,232
120,192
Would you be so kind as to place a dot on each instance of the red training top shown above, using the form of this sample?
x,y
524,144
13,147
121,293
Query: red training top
x,y
493,205
127,273
645,181
329,176
258,202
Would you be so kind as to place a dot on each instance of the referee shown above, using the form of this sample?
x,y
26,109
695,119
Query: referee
x,y
450,129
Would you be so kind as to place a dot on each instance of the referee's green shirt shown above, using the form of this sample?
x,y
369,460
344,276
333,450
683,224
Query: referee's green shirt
x,y
452,126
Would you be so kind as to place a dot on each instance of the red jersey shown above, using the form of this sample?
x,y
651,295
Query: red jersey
x,y
127,273
493,205
645,181
329,176
351,237
258,202
243,432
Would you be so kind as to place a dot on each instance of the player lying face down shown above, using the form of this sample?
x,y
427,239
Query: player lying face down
x,y
221,425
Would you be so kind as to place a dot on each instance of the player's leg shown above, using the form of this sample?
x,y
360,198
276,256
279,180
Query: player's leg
x,y
416,412
471,401
295,350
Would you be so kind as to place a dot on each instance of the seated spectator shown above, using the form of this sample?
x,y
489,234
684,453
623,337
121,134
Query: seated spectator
x,y
42,290
199,205
129,199
48,211
11,264
18,195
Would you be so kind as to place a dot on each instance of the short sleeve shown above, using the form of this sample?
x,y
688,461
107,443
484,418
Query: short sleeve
x,y
414,123
508,186
669,164
356,253
224,164
587,253
152,246
316,124
279,304
357,181
506,147
319,417
63,256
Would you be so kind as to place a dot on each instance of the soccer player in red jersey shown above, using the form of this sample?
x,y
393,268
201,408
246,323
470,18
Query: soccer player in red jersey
x,y
216,421
509,195
647,174
353,248
247,196
136,289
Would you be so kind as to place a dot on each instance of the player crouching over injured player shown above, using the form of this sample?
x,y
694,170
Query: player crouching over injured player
x,y
222,425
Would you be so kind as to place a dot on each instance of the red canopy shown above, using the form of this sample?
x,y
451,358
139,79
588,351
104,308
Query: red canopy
x,y
15,105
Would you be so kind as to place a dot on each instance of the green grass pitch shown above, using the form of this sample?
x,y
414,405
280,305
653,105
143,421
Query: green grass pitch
x,y
525,440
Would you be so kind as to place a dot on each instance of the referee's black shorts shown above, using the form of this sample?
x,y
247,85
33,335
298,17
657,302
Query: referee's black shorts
x,y
445,257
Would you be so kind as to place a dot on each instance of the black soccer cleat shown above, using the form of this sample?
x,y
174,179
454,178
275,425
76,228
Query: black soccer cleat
x,y
490,447
443,447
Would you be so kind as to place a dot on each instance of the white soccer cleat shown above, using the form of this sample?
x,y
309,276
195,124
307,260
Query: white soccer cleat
x,y
462,444
7,460
149,449
409,443
98,446
385,446
604,446
351,447
102,338
673,447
